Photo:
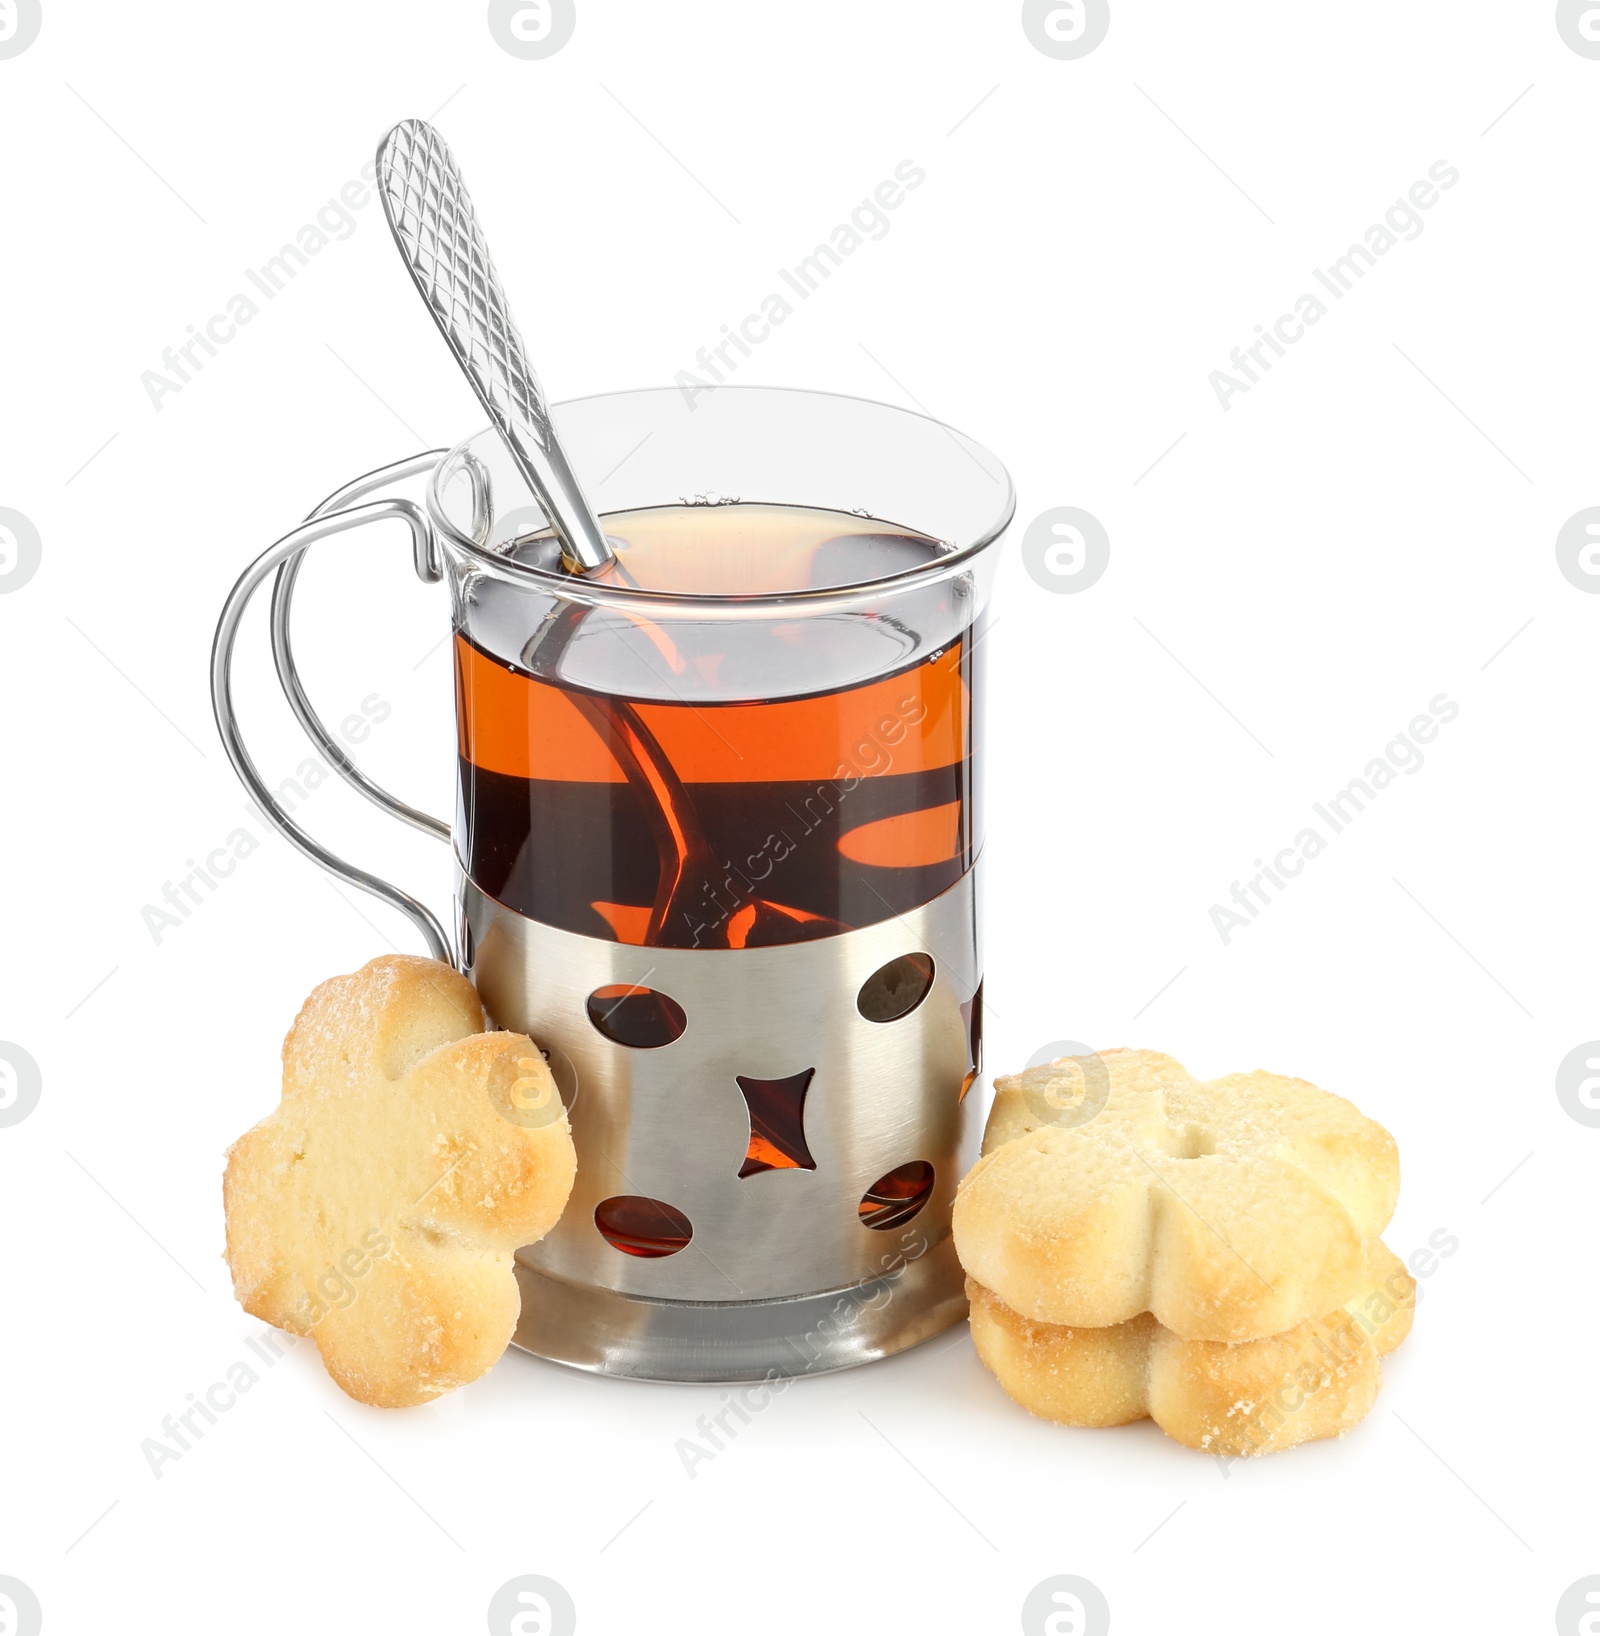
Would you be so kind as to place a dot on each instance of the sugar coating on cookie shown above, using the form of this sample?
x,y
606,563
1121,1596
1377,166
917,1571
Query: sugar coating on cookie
x,y
378,1209
1316,1380
1118,1184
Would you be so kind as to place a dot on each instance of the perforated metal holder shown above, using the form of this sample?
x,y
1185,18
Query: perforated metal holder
x,y
784,1270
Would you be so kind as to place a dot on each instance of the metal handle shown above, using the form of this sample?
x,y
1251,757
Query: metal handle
x,y
336,515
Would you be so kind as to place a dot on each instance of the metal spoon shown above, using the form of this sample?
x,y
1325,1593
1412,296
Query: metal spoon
x,y
431,216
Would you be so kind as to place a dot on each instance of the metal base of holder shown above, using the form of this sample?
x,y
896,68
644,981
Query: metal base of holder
x,y
634,1337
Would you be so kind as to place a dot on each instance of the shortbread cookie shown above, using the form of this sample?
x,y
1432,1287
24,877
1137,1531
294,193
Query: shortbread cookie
x,y
378,1208
1117,1184
1317,1380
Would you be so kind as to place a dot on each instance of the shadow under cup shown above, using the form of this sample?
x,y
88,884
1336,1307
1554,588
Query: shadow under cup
x,y
716,809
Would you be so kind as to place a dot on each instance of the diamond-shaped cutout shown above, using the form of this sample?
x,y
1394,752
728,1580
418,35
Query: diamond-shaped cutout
x,y
777,1123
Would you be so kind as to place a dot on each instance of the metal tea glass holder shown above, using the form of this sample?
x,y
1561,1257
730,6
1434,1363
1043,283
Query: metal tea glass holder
x,y
791,1271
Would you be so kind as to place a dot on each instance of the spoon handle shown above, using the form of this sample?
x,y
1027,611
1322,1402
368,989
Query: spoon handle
x,y
433,221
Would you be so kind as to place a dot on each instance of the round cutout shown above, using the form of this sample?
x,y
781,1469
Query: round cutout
x,y
894,1199
897,989
644,1227
640,1018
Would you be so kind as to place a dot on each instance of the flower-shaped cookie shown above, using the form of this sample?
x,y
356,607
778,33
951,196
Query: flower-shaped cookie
x,y
378,1209
1117,1184
1316,1380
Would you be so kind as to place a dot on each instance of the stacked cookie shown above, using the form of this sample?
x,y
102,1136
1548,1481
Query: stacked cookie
x,y
1138,1243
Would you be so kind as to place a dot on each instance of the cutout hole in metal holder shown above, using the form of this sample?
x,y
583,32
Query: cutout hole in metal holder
x,y
640,1018
649,1228
896,990
895,1198
777,1110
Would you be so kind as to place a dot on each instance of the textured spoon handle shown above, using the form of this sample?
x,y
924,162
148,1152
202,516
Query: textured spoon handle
x,y
431,216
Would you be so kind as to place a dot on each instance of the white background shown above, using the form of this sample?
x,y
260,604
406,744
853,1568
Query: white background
x,y
1291,583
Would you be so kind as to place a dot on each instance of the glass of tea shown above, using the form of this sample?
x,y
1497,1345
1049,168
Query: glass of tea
x,y
717,835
